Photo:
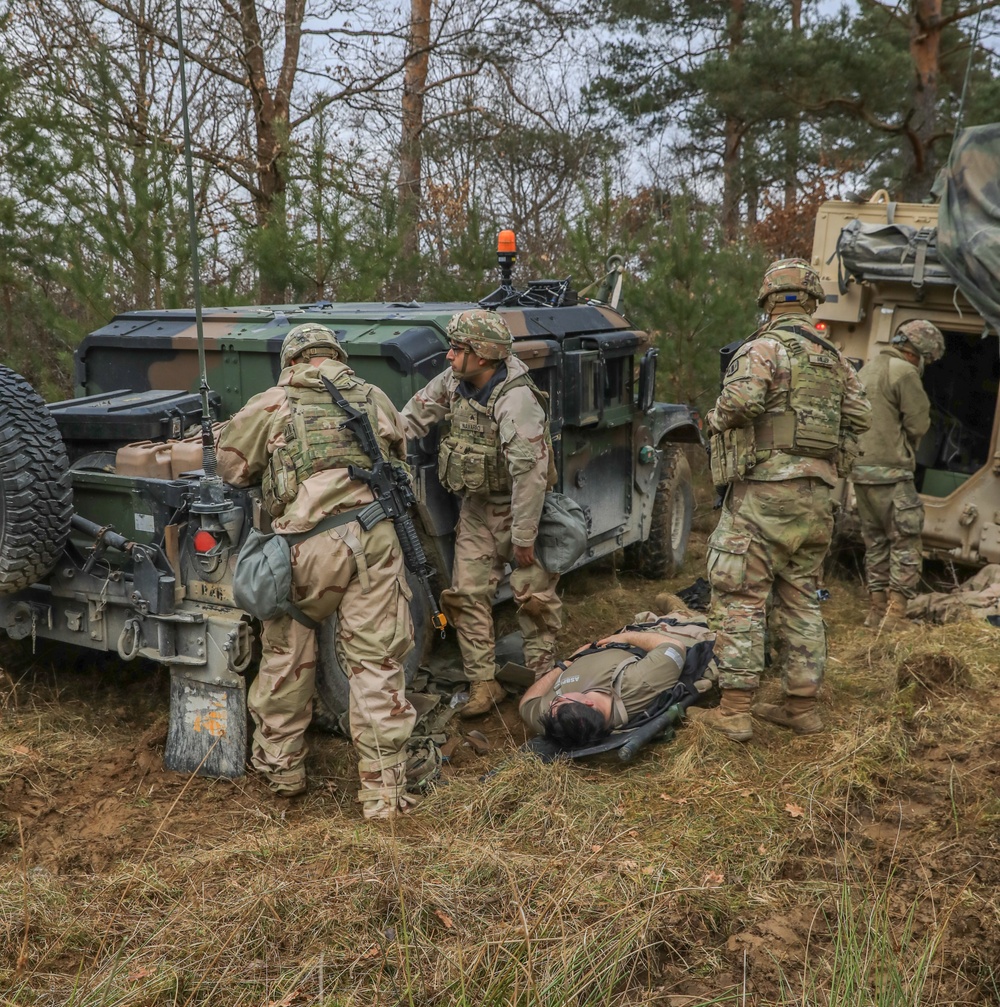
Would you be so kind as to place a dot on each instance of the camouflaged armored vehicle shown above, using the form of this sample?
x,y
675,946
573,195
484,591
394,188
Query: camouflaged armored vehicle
x,y
109,540
884,263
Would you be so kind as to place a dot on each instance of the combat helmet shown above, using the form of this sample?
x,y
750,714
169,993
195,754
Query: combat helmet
x,y
924,337
309,336
788,275
483,330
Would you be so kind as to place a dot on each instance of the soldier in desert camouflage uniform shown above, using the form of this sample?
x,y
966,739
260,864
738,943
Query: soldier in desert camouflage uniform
x,y
785,423
291,440
892,516
497,454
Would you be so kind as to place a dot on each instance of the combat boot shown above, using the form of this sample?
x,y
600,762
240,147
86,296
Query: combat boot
x,y
731,717
483,696
879,603
895,613
797,713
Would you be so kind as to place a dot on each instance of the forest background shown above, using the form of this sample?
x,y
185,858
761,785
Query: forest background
x,y
369,150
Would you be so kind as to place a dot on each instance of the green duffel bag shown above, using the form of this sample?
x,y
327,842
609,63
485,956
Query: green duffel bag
x,y
562,533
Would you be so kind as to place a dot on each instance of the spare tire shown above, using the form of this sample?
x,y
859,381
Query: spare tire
x,y
662,554
36,496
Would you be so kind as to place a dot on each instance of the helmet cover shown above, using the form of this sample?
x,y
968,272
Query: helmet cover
x,y
924,337
308,337
483,330
788,275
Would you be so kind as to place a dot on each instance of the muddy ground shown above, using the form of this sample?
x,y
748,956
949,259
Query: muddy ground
x,y
86,792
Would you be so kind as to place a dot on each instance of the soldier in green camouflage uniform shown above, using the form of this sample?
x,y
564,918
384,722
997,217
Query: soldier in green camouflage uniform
x,y
290,439
788,417
496,453
892,516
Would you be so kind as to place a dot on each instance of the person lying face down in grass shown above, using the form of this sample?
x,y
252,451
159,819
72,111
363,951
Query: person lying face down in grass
x,y
606,683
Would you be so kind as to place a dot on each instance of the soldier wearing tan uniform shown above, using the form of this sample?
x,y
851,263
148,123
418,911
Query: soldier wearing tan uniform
x,y
291,440
496,454
892,516
786,422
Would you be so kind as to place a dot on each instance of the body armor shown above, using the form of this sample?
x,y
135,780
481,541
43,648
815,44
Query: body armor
x,y
315,440
809,425
470,458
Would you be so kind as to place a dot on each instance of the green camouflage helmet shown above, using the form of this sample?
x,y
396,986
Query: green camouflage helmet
x,y
484,331
308,337
924,337
791,275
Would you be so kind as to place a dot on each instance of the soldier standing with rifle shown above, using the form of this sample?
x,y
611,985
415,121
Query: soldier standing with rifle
x,y
496,453
785,425
299,444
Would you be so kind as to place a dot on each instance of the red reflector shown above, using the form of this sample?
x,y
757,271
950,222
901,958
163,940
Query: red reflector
x,y
204,541
821,326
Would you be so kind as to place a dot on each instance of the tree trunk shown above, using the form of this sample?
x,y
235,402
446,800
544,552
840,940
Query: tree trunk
x,y
733,136
142,250
271,126
408,183
925,51
792,126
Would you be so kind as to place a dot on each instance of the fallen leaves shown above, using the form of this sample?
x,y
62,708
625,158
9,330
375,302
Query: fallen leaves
x,y
445,919
795,810
674,800
713,879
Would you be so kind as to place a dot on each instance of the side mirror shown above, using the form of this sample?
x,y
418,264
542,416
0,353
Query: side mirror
x,y
647,379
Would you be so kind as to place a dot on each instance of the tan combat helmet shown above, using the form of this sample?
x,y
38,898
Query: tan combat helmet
x,y
310,336
483,330
788,276
925,338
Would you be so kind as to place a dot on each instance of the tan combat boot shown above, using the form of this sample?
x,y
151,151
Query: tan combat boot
x,y
798,713
879,603
483,696
895,613
731,717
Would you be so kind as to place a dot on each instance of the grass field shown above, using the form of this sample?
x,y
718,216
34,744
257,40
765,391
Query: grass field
x,y
857,867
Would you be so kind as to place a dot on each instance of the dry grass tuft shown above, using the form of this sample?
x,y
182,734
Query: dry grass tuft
x,y
853,867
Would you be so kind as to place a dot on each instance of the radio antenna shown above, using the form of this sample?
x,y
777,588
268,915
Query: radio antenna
x,y
212,495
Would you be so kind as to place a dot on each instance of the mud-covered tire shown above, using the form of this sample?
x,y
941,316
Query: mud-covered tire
x,y
330,709
662,554
36,497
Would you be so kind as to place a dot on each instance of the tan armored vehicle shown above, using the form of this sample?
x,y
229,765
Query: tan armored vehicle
x,y
884,263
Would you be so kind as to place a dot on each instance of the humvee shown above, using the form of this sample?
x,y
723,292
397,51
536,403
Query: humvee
x,y
113,538
884,263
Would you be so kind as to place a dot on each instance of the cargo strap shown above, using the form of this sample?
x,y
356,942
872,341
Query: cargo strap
x,y
334,521
921,240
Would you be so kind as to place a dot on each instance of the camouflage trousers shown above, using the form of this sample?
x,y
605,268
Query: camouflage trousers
x,y
359,575
482,546
770,542
892,518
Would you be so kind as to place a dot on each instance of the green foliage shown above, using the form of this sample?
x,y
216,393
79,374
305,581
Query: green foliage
x,y
694,294
839,94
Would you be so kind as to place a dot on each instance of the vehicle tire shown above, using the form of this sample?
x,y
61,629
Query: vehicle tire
x,y
662,554
36,496
330,709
